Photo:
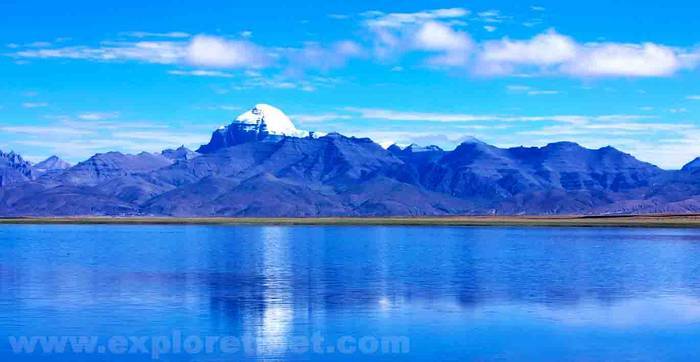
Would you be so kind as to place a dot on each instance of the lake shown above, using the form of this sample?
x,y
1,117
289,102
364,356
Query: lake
x,y
322,293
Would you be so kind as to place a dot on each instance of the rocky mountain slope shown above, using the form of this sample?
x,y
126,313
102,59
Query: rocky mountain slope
x,y
14,169
52,164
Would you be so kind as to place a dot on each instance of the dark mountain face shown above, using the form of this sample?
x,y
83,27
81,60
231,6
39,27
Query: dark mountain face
x,y
106,166
14,169
250,169
338,175
568,166
571,167
692,167
233,135
305,175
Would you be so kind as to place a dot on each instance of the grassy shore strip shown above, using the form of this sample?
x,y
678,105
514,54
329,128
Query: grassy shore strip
x,y
579,221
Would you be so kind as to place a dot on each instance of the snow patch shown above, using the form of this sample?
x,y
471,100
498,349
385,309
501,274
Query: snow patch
x,y
274,120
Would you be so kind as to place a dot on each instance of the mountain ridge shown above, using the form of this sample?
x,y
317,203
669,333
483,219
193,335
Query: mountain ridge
x,y
255,172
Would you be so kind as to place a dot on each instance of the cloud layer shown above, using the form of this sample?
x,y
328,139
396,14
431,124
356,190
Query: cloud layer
x,y
442,31
439,36
554,53
201,50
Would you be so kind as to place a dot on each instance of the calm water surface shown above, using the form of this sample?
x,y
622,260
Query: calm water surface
x,y
454,293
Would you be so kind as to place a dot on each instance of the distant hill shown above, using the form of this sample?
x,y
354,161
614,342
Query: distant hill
x,y
261,165
49,165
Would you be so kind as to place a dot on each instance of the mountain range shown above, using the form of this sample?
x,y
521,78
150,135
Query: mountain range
x,y
261,165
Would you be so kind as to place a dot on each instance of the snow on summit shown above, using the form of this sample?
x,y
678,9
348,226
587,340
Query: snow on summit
x,y
263,122
275,121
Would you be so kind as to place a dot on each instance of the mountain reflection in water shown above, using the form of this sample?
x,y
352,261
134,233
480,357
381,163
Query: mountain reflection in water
x,y
457,292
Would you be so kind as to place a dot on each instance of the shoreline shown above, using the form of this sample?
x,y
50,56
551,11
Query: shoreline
x,y
680,221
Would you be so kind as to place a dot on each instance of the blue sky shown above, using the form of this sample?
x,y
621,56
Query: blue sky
x,y
81,77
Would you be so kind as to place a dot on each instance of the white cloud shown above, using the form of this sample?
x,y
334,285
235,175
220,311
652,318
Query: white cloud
x,y
553,53
394,115
218,52
221,107
161,52
227,107
34,104
431,31
315,56
454,46
201,73
693,97
339,16
35,44
167,138
256,79
632,60
97,116
202,50
377,19
502,56
436,36
670,156
536,92
39,44
146,34
77,139
439,36
318,118
530,90
491,16
45,131
518,88
619,128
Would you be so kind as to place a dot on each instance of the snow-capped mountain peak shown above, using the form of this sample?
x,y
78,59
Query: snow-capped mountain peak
x,y
274,120
262,122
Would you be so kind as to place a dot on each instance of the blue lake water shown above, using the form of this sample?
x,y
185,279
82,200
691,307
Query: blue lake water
x,y
179,293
